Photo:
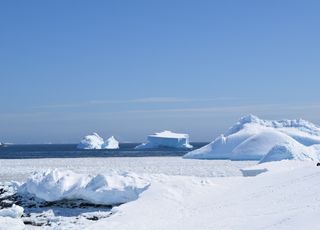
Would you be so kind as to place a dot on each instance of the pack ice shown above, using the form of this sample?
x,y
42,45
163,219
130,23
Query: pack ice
x,y
166,139
94,141
56,185
252,138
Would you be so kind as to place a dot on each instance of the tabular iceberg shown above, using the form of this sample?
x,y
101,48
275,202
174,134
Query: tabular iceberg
x,y
94,141
166,139
252,138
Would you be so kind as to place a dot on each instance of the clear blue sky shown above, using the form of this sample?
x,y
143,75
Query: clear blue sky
x,y
128,68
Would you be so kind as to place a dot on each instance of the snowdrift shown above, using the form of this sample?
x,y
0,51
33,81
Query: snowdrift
x,y
166,139
55,185
252,138
14,212
94,141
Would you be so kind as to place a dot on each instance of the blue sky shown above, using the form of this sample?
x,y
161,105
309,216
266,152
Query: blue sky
x,y
129,68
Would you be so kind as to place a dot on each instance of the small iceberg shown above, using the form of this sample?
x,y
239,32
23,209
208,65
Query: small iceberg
x,y
94,141
111,143
166,139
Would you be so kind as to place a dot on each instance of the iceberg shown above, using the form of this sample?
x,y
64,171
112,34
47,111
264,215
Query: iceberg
x,y
166,139
111,143
252,138
94,141
111,189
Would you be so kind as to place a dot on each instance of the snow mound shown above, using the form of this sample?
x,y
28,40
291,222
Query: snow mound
x,y
14,212
252,138
111,143
166,139
7,223
113,189
93,141
292,151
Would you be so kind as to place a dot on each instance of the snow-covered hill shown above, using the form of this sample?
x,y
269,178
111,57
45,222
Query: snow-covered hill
x,y
252,138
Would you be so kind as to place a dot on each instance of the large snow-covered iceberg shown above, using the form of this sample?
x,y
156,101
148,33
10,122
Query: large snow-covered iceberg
x,y
166,139
252,138
111,143
112,189
94,141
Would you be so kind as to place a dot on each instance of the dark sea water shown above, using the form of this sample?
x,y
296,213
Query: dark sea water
x,y
70,151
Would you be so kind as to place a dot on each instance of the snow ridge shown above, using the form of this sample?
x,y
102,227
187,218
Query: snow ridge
x,y
112,189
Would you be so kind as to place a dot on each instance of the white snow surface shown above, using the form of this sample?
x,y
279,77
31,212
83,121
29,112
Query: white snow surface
x,y
252,138
285,197
55,185
10,218
8,223
94,141
166,139
111,143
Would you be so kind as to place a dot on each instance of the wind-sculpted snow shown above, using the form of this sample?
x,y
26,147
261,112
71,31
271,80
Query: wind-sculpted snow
x,y
94,141
14,212
292,151
252,138
112,189
166,139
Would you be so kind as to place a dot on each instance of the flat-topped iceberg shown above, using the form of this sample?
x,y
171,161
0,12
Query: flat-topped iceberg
x,y
56,185
94,141
166,139
252,138
111,143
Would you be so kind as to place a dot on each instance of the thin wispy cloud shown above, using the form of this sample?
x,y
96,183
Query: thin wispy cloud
x,y
232,109
147,100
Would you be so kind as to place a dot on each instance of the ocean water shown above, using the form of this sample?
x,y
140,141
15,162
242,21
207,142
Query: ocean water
x,y
71,151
